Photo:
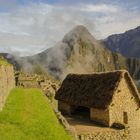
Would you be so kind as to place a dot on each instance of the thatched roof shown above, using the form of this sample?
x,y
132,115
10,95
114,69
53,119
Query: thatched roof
x,y
93,90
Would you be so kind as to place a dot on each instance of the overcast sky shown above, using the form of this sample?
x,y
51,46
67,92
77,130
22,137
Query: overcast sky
x,y
31,26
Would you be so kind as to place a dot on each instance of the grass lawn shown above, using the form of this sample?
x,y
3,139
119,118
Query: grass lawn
x,y
27,115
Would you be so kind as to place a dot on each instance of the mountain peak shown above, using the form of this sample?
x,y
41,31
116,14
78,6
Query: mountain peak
x,y
80,28
78,32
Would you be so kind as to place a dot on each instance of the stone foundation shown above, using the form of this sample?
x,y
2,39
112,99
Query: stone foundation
x,y
108,135
64,107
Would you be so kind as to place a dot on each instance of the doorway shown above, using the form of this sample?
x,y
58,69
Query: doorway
x,y
84,112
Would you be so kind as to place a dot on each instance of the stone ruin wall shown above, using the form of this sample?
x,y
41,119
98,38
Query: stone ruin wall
x,y
107,135
100,116
124,101
7,82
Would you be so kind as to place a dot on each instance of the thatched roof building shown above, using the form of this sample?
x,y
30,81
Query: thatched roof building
x,y
97,90
93,90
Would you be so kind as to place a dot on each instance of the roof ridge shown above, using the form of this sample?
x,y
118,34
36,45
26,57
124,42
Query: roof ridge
x,y
106,72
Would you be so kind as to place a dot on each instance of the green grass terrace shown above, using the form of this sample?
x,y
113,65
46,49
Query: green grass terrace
x,y
4,62
27,115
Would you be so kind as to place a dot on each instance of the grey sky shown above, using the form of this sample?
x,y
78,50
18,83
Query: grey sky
x,y
28,27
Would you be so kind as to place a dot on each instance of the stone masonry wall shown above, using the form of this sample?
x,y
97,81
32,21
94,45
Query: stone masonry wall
x,y
66,108
100,116
7,82
124,101
108,135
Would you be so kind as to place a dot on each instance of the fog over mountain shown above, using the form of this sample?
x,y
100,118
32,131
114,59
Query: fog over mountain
x,y
77,52
80,52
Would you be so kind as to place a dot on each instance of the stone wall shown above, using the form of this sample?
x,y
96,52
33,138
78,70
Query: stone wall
x,y
124,134
62,119
124,103
66,125
7,82
108,135
100,116
64,107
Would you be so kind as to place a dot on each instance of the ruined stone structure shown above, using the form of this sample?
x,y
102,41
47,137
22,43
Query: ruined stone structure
x,y
46,83
7,82
112,97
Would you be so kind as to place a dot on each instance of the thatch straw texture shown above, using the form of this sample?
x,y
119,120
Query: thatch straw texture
x,y
91,90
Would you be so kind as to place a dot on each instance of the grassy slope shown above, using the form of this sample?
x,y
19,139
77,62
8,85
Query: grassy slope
x,y
4,62
27,115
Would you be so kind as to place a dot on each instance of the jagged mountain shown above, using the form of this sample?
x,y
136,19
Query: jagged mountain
x,y
88,55
78,52
128,43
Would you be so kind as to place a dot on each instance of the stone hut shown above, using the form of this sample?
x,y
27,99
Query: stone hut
x,y
111,97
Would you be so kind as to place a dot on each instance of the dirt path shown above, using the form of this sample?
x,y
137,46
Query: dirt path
x,y
86,127
83,125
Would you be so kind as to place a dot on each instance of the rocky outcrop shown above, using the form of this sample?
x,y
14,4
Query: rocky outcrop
x,y
7,82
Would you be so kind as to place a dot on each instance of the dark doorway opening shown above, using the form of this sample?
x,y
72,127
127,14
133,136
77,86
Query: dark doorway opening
x,y
81,111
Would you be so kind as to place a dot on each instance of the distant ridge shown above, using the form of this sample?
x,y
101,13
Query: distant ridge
x,y
78,52
128,43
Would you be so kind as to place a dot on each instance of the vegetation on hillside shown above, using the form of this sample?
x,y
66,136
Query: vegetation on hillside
x,y
28,115
3,61
38,69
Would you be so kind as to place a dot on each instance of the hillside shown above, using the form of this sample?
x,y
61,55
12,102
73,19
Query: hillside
x,y
78,52
28,115
128,43
11,59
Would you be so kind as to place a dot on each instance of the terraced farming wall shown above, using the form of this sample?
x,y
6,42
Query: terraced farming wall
x,y
7,81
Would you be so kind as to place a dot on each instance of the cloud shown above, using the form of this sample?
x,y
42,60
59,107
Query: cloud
x,y
35,27
102,8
